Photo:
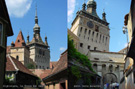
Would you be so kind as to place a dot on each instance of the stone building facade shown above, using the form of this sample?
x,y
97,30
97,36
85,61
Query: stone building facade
x,y
94,37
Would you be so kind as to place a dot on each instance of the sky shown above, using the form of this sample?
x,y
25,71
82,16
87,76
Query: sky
x,y
115,11
52,17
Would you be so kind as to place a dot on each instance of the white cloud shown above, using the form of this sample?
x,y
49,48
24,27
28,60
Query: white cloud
x,y
126,44
62,49
71,9
18,8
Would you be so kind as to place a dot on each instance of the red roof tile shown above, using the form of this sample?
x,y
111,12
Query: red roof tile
x,y
41,73
45,74
19,40
14,65
52,64
61,64
9,65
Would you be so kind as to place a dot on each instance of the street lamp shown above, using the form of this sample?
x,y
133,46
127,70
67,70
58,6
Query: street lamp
x,y
125,31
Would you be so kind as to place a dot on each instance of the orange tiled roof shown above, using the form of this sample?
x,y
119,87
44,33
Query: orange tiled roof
x,y
41,73
19,40
61,64
52,64
14,65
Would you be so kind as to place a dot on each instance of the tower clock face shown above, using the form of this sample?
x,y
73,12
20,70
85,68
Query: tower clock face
x,y
90,24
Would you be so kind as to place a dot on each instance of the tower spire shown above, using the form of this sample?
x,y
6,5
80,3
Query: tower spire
x,y
36,17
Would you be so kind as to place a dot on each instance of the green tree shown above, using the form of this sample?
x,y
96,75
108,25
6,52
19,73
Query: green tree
x,y
73,54
30,66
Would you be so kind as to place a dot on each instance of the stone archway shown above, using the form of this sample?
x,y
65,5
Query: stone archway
x,y
109,78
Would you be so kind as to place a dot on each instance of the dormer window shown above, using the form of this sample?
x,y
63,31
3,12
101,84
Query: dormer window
x,y
1,34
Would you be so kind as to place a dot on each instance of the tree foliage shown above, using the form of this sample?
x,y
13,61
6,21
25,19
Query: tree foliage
x,y
73,54
30,66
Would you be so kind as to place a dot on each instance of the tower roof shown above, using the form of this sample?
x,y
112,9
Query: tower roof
x,y
91,2
93,5
36,36
19,40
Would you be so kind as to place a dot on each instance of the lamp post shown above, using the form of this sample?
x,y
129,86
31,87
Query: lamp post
x,y
125,31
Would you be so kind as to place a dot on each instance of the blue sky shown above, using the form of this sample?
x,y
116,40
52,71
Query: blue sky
x,y
115,12
52,15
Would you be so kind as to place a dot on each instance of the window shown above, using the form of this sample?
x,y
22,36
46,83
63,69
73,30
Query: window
x,y
85,31
40,51
103,39
81,44
93,34
100,38
111,68
72,40
88,47
95,48
97,28
95,67
97,35
81,29
17,57
106,41
18,41
96,58
89,32
1,34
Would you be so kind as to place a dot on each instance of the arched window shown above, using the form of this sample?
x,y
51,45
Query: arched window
x,y
111,68
104,67
85,31
81,30
93,34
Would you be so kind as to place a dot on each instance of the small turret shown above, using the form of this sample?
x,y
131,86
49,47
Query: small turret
x,y
28,39
84,7
104,16
46,43
12,44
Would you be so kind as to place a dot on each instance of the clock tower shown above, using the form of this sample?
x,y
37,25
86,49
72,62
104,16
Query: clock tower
x,y
39,50
93,32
